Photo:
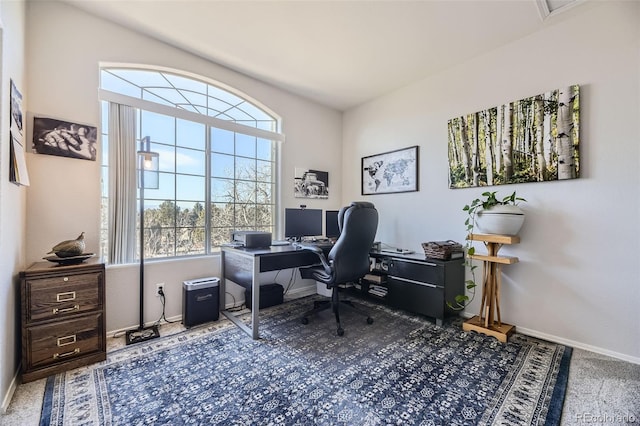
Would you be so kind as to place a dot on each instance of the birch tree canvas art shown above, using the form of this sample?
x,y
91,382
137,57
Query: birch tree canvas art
x,y
535,139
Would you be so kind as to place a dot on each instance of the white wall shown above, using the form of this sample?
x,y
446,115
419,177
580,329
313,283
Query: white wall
x,y
12,198
65,47
578,278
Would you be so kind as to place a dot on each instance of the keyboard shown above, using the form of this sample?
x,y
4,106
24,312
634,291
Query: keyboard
x,y
280,243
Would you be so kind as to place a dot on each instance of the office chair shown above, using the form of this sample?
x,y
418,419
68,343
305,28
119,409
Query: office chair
x,y
348,259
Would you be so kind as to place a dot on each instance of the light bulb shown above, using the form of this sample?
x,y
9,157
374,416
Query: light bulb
x,y
148,162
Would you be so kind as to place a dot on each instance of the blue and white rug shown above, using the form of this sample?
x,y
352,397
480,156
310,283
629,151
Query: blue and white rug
x,y
401,370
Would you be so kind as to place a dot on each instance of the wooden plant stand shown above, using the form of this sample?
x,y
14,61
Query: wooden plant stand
x,y
489,321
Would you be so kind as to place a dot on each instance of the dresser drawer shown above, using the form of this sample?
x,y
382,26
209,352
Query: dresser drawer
x,y
61,296
61,342
415,296
427,272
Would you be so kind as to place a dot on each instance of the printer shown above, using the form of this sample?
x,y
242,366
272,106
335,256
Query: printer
x,y
252,239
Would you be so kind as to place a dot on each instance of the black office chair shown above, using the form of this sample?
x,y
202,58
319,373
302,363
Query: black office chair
x,y
348,259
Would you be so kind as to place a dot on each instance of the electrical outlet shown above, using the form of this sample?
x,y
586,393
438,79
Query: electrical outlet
x,y
159,287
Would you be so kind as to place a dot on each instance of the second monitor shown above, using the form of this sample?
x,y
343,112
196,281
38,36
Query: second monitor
x,y
331,228
300,223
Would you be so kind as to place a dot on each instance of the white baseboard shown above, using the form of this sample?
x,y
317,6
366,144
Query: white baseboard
x,y
10,392
567,342
301,292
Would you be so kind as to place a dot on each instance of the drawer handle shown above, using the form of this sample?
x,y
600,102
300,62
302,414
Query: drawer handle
x,y
66,297
66,340
414,282
416,262
66,354
64,310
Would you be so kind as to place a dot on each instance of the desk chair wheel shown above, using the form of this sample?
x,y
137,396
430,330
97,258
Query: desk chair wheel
x,y
369,320
340,331
305,320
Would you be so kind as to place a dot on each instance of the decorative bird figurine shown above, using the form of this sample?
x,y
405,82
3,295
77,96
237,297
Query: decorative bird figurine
x,y
69,248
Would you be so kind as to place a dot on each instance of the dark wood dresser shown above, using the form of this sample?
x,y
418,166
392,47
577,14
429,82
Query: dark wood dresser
x,y
63,317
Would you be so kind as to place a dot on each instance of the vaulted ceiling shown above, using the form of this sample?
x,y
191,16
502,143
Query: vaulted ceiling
x,y
338,53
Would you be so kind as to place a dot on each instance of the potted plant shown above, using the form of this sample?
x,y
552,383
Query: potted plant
x,y
492,216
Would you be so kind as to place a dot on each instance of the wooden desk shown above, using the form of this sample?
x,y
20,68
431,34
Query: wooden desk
x,y
243,266
489,321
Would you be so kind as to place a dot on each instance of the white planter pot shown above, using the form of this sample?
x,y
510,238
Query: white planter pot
x,y
500,219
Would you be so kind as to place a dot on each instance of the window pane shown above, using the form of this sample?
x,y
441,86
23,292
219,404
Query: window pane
x,y
190,134
220,236
170,94
105,150
264,172
141,78
245,168
264,215
180,82
162,216
112,83
239,115
245,192
245,145
161,128
264,149
223,95
194,98
190,241
159,242
222,141
190,188
166,188
166,157
152,97
222,190
222,216
245,216
104,176
192,214
267,125
255,112
190,161
222,165
264,192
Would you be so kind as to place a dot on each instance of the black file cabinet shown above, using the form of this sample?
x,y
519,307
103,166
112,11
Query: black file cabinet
x,y
418,284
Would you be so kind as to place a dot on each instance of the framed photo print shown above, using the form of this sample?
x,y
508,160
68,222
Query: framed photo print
x,y
389,172
63,138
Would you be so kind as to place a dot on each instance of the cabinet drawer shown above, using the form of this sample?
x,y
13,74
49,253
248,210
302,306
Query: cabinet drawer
x,y
61,296
416,297
61,342
431,273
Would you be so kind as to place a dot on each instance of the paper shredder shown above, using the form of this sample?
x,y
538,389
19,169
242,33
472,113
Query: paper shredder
x,y
200,301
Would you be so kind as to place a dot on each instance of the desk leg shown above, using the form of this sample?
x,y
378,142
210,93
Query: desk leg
x,y
255,291
255,298
223,284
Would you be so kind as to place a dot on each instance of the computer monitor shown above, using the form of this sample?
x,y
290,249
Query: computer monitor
x,y
331,229
300,223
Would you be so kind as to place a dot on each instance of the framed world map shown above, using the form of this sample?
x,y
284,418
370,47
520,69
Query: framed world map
x,y
389,172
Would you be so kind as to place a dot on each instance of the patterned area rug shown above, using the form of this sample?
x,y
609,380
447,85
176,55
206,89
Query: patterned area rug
x,y
402,369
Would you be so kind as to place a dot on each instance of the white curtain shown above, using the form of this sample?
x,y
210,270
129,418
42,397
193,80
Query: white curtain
x,y
122,184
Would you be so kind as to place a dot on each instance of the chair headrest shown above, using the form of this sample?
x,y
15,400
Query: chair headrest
x,y
355,205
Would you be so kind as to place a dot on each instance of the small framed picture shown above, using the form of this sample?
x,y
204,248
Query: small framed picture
x,y
389,172
63,138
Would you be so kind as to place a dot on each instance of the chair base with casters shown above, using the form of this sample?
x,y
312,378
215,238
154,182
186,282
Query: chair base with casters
x,y
333,304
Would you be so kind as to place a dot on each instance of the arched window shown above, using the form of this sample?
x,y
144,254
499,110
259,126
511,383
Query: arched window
x,y
217,163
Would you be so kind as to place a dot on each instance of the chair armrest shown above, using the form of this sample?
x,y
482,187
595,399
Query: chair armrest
x,y
317,250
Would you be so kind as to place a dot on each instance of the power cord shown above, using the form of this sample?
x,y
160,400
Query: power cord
x,y
163,301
